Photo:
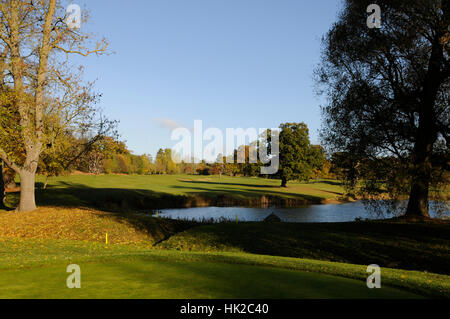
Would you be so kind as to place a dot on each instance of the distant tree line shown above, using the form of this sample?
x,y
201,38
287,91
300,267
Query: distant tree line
x,y
66,154
299,159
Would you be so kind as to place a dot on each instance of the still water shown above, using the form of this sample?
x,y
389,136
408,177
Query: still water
x,y
309,214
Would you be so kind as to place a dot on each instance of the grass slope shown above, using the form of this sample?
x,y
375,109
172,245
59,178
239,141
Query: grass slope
x,y
415,246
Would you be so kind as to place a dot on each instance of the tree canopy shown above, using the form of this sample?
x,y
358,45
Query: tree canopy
x,y
41,96
298,158
388,96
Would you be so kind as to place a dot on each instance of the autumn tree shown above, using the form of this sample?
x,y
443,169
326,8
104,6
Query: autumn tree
x,y
35,46
388,95
2,185
142,164
164,162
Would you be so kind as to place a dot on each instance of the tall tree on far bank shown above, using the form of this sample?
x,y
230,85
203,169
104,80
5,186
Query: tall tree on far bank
x,y
297,155
35,45
388,95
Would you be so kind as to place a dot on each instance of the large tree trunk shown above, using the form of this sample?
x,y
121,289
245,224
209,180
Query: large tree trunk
x,y
427,132
27,199
418,198
421,175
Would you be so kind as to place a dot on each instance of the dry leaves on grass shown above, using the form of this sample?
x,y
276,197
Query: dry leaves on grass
x,y
76,224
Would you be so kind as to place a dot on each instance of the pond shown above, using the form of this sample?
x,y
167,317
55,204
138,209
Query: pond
x,y
309,214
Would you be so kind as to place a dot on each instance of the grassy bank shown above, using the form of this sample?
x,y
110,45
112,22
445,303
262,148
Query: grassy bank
x,y
131,192
415,246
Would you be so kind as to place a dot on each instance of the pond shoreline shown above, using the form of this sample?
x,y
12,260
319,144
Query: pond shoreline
x,y
169,201
222,200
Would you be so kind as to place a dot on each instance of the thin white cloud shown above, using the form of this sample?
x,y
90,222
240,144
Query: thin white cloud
x,y
166,123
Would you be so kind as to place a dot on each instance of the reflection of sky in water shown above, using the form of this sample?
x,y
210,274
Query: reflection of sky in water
x,y
314,213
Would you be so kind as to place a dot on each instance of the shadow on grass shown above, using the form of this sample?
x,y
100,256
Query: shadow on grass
x,y
231,184
334,183
68,194
260,190
251,197
411,246
108,199
218,278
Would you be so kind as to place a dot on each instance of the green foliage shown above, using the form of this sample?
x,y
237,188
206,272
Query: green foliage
x,y
11,139
129,164
164,162
298,158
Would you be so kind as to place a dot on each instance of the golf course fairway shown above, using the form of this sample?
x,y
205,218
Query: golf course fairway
x,y
149,276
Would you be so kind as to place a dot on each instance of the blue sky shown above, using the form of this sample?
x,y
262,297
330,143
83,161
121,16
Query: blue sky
x,y
230,63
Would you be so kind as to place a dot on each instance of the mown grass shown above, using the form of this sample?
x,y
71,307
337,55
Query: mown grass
x,y
189,184
36,269
131,192
26,253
